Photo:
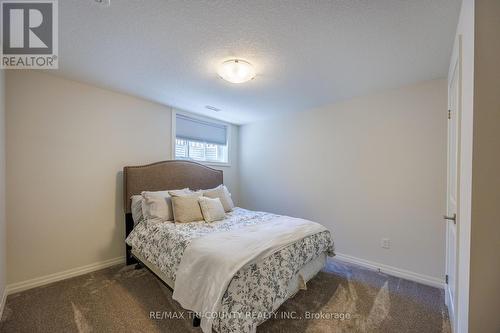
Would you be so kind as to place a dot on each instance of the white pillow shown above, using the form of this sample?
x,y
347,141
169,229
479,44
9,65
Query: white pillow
x,y
159,204
211,209
223,194
180,193
136,208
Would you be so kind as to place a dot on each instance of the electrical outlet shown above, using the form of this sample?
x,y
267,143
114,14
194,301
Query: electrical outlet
x,y
385,243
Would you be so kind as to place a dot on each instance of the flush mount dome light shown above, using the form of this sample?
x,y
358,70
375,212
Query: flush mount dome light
x,y
236,71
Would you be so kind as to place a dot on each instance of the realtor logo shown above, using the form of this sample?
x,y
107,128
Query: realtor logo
x,y
29,34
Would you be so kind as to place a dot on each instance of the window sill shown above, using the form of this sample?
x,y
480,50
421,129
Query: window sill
x,y
227,165
216,164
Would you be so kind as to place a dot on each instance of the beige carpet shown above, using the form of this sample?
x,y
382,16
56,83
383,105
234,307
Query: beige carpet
x,y
120,299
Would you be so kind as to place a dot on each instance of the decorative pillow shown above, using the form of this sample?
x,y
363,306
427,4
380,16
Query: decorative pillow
x,y
136,208
180,193
159,193
184,193
223,194
211,209
158,204
186,209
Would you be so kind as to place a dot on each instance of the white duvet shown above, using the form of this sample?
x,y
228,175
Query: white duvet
x,y
210,262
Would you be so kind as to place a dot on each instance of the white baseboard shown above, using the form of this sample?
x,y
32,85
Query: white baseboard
x,y
394,271
43,280
2,301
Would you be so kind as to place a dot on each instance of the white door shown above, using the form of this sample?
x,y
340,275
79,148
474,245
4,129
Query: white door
x,y
451,218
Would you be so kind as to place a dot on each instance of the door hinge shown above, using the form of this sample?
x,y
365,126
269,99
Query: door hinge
x,y
446,278
449,114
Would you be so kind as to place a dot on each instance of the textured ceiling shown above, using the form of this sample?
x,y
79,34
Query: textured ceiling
x,y
307,53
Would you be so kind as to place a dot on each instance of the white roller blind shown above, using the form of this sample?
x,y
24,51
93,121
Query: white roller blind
x,y
199,130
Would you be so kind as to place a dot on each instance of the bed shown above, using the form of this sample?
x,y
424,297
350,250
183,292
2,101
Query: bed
x,y
234,273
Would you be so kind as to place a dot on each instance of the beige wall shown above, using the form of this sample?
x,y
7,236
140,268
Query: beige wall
x,y
3,246
67,143
370,168
485,233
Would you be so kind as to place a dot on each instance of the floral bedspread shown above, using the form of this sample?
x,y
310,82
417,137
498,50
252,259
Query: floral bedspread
x,y
257,289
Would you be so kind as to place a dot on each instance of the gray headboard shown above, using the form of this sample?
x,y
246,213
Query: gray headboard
x,y
168,175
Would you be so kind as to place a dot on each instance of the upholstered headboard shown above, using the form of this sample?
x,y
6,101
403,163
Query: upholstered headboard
x,y
166,175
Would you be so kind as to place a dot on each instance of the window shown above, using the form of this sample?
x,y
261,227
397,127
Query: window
x,y
200,140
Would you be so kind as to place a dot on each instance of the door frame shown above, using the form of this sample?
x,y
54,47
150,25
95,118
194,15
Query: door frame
x,y
455,65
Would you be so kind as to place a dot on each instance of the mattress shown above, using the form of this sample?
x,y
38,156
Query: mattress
x,y
257,289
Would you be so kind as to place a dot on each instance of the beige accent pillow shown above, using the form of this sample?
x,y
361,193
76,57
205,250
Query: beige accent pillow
x,y
186,209
223,194
211,209
158,204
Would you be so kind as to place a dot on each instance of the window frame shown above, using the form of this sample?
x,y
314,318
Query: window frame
x,y
174,137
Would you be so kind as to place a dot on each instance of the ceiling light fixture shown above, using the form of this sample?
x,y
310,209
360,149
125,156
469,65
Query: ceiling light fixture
x,y
104,3
236,71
